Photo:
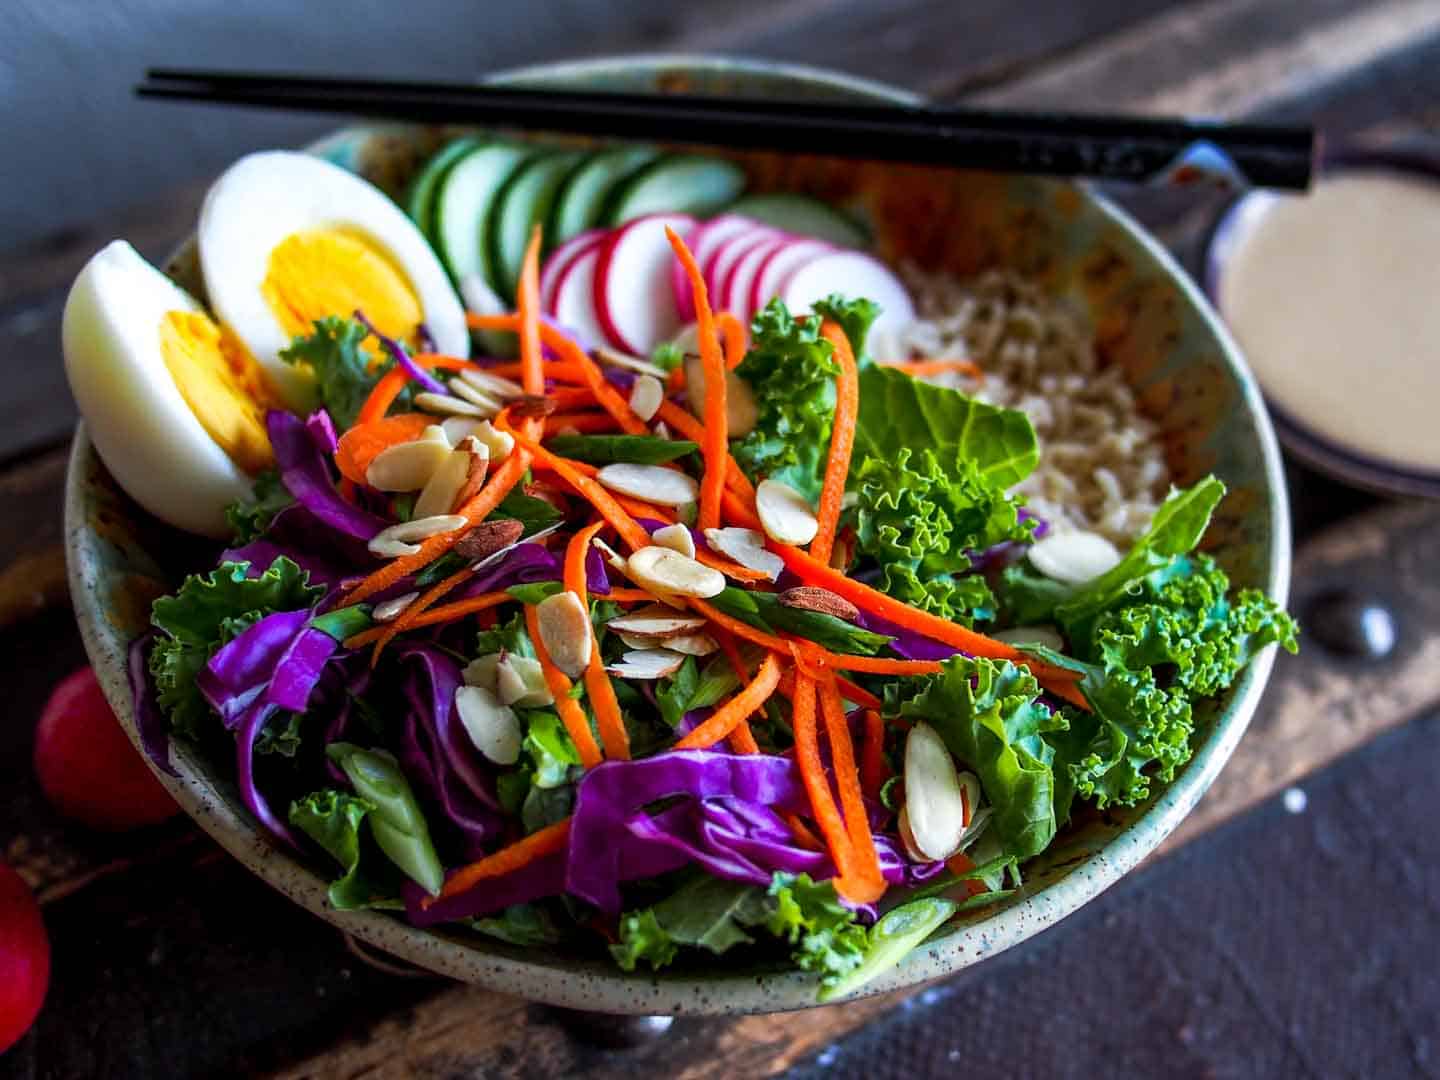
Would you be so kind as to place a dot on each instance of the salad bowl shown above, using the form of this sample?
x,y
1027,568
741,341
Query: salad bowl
x,y
1147,317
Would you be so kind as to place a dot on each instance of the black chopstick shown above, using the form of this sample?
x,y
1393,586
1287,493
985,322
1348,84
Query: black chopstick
x,y
1135,149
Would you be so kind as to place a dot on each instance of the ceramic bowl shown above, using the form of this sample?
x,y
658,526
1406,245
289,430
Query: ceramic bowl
x,y
1148,318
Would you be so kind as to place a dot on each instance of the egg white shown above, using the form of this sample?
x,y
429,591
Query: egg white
x,y
138,421
267,197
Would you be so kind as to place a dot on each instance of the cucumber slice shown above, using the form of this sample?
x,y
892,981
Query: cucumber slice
x,y
420,194
525,200
681,184
462,207
583,194
804,216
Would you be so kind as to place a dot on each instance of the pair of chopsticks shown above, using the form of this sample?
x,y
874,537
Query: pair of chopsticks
x,y
1125,148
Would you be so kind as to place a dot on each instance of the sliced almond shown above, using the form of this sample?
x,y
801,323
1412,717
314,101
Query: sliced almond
x,y
655,621
615,358
496,386
448,405
691,644
489,537
934,806
458,428
411,532
814,598
746,547
479,468
565,631
1047,636
438,495
784,514
389,610
650,483
978,822
613,558
1073,557
520,680
482,671
646,396
843,550
391,549
662,431
659,568
528,406
907,838
676,537
492,727
741,412
408,466
647,664
490,406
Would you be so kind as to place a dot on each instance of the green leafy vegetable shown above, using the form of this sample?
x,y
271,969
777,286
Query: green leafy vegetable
x,y
344,375
280,735
535,592
521,924
549,747
509,637
250,517
667,356
693,688
765,612
889,941
332,819
608,449
207,611
344,622
898,411
809,915
854,316
535,514
705,913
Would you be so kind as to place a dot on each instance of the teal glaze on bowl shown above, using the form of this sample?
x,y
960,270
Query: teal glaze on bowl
x,y
1148,317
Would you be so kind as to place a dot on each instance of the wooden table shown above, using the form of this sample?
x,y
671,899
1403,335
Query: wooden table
x,y
175,961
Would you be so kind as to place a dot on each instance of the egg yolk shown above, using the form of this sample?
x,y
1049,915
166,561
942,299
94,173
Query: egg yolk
x,y
329,272
222,385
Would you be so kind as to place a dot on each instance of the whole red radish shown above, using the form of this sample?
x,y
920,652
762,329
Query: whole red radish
x,y
87,767
24,958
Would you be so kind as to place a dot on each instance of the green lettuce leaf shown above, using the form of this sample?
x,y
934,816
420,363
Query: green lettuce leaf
x,y
332,819
509,636
204,613
705,913
827,935
344,375
855,318
692,687
765,612
608,449
251,516
521,924
892,938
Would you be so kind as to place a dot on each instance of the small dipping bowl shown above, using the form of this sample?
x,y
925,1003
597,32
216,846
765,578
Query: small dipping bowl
x,y
1334,296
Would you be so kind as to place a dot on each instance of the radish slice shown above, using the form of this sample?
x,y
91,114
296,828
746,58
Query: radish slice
x,y
633,294
735,289
703,242
780,264
574,306
559,260
853,274
731,252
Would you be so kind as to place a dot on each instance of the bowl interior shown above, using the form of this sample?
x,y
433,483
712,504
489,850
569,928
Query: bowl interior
x,y
1148,319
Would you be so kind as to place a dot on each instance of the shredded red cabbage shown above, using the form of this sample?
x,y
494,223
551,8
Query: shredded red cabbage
x,y
402,358
149,721
305,472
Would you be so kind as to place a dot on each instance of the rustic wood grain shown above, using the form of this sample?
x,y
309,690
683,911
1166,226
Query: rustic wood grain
x,y
1318,707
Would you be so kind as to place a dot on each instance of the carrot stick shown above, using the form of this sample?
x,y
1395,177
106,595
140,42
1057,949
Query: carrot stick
x,y
363,443
608,717
406,619
527,307
922,368
842,440
742,629
715,447
725,719
742,739
847,779
882,665
803,836
444,613
587,423
872,760
631,596
555,370
639,509
496,488
729,567
739,512
732,330
812,773
573,716
692,429
537,845
384,392
571,397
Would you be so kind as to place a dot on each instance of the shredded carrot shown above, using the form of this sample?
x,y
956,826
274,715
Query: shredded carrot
x,y
631,596
742,629
473,605
872,759
389,386
527,307
537,845
729,567
638,509
740,512
417,607
732,331
742,739
676,382
496,488
608,717
587,423
571,397
681,420
842,440
363,443
715,445
728,716
960,863
869,883
803,836
555,370
882,665
572,472
571,714
1057,680
812,773
922,368
584,468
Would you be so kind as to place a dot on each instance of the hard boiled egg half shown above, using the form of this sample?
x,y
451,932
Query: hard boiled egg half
x,y
286,238
174,405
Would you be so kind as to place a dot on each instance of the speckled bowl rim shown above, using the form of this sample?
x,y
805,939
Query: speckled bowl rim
x,y
507,970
